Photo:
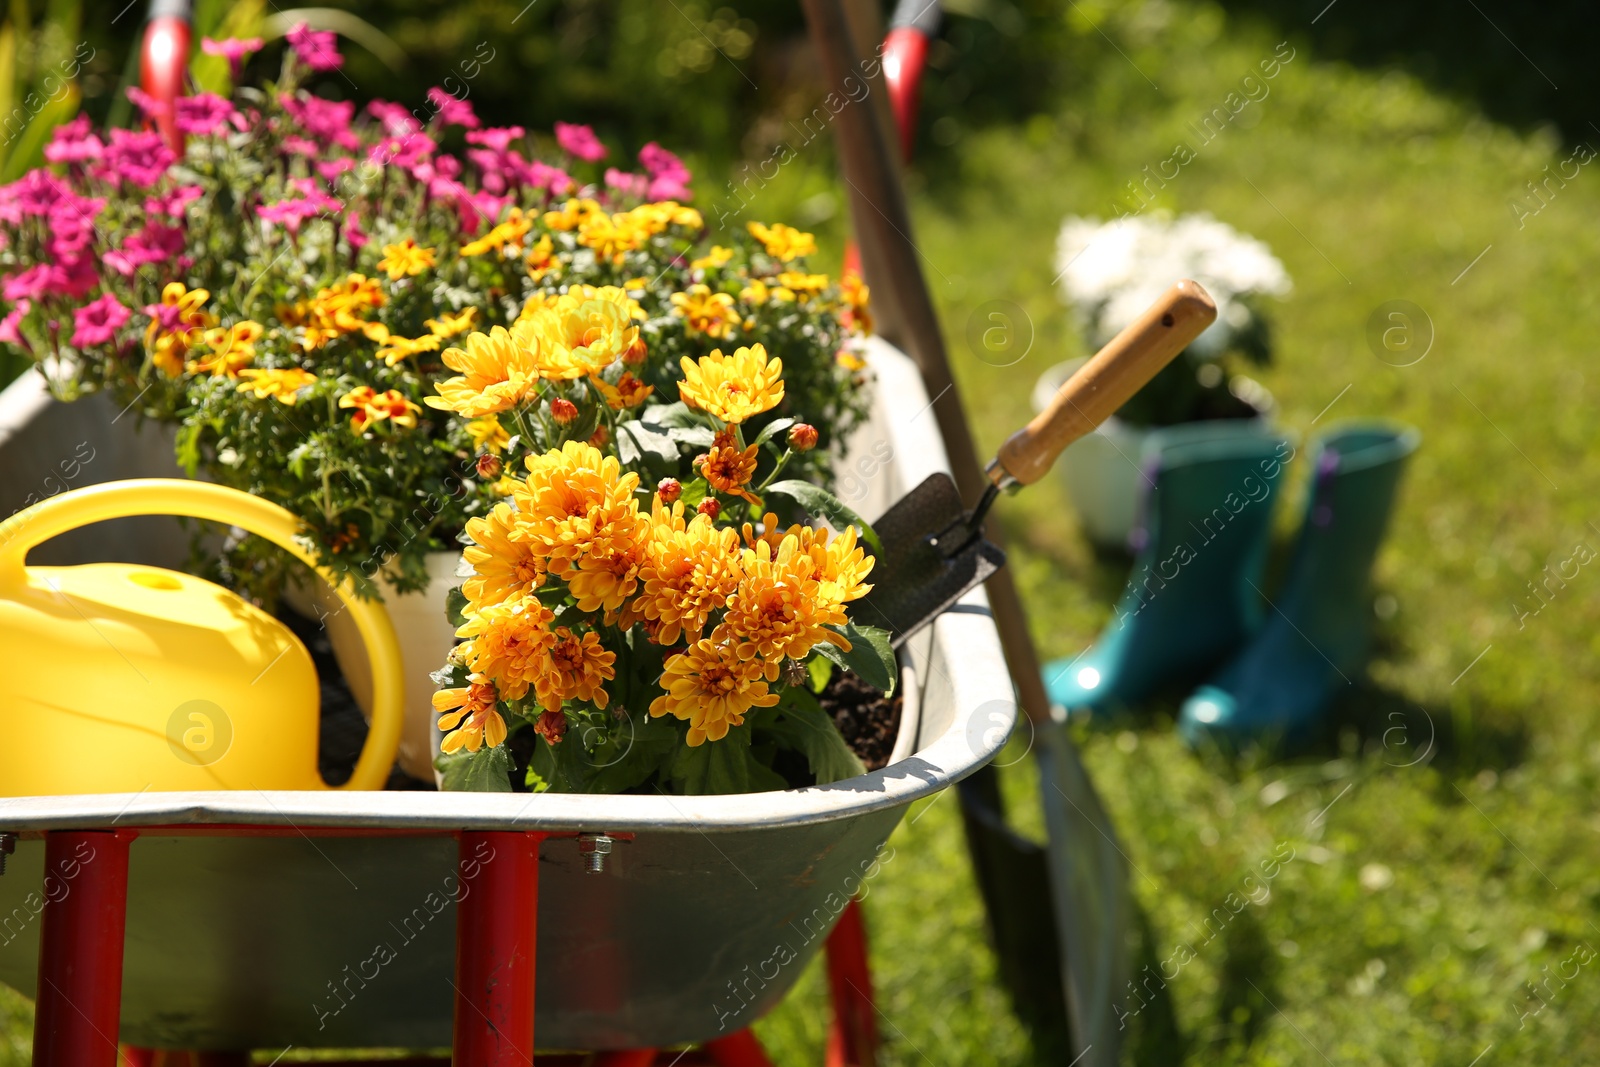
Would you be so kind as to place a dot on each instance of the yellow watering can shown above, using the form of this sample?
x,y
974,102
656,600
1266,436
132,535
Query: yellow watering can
x,y
119,678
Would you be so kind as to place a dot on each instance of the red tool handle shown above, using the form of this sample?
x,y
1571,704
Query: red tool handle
x,y
163,60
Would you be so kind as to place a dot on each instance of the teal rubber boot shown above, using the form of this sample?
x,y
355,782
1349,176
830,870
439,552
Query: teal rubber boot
x,y
1317,635
1189,604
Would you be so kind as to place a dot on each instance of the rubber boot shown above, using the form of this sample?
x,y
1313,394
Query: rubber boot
x,y
1189,604
1319,629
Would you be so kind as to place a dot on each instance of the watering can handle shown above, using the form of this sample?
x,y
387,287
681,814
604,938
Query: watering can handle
x,y
202,500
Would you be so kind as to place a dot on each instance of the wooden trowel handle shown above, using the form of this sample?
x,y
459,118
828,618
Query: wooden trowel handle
x,y
1105,383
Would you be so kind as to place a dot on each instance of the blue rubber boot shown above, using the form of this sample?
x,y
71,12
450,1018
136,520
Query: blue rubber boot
x,y
1190,602
1317,634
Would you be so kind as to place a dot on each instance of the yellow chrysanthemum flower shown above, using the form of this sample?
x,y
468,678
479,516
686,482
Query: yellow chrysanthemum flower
x,y
283,385
782,242
689,572
575,501
508,643
498,371
509,232
488,435
578,666
717,257
502,569
449,325
857,302
336,310
710,686
582,332
734,387
703,311
800,282
628,393
607,574
468,716
397,348
233,348
169,347
727,468
571,214
405,259
541,259
372,406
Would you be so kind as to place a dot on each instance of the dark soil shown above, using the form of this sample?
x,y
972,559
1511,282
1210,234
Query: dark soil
x,y
868,720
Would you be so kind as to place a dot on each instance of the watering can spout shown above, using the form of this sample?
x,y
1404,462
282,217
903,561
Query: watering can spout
x,y
128,678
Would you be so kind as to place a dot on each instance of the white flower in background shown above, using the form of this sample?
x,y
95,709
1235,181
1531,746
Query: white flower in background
x,y
1112,271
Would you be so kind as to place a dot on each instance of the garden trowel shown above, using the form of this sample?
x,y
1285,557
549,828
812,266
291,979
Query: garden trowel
x,y
933,549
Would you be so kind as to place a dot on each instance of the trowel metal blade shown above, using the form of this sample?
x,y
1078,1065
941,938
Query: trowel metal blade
x,y
912,581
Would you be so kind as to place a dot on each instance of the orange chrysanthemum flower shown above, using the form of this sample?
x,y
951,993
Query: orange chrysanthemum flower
x,y
405,258
689,572
628,393
448,325
710,686
583,331
733,387
283,384
498,371
502,569
703,311
782,242
468,716
508,643
780,610
576,502
577,668
727,469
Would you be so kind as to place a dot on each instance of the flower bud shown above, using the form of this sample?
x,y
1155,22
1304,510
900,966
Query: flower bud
x,y
636,353
489,467
600,436
669,490
802,437
552,726
709,507
563,411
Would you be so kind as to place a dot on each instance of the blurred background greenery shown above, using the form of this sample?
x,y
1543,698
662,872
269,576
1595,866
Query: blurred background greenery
x,y
1459,863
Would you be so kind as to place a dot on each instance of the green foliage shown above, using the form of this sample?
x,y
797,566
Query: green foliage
x,y
487,770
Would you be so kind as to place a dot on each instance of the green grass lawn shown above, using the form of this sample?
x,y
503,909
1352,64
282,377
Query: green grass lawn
x,y
1420,907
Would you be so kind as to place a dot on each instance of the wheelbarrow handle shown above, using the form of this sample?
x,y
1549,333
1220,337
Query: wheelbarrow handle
x,y
1105,383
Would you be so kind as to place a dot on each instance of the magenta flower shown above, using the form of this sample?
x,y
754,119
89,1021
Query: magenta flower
x,y
153,244
296,145
28,284
172,201
353,232
496,139
633,185
324,120
580,141
542,175
452,110
290,213
669,178
332,168
153,109
140,158
72,225
233,49
318,50
10,326
203,114
397,121
98,322
73,142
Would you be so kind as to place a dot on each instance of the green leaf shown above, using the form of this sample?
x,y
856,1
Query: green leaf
x,y
722,767
636,441
773,428
487,770
804,727
821,673
632,750
692,436
675,414
871,657
818,501
455,602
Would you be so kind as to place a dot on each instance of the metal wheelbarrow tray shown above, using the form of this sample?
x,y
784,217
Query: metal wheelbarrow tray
x,y
259,920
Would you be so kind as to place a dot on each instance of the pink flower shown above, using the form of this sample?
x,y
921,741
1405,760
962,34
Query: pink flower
x,y
171,202
404,152
633,185
397,121
152,108
353,232
10,326
138,157
98,322
33,194
496,139
452,110
73,143
28,284
580,141
669,178
233,49
292,212
296,145
332,168
325,120
318,50
71,225
541,175
153,244
203,114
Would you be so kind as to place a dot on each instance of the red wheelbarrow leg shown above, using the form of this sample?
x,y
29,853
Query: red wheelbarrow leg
x,y
740,1049
627,1057
497,912
853,1034
79,1005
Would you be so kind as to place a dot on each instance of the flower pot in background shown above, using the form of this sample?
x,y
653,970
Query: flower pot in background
x,y
1101,471
426,637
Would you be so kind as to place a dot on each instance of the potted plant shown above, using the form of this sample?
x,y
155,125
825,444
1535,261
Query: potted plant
x,y
1109,272
288,291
